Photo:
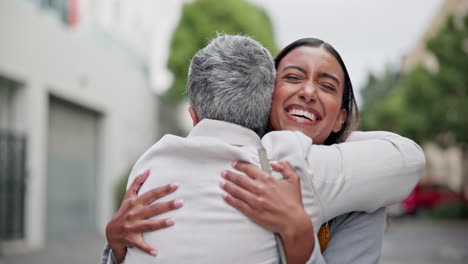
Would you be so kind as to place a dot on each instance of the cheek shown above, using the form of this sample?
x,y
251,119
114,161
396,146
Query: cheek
x,y
279,92
333,108
274,114
277,102
277,116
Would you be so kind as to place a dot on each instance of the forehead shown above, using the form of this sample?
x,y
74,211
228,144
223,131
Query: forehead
x,y
312,58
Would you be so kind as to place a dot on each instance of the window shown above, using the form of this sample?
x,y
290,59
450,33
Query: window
x,y
12,167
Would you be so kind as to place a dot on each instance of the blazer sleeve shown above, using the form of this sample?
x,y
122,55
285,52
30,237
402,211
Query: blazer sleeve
x,y
368,171
108,256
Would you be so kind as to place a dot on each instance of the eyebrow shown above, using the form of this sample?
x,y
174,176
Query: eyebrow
x,y
323,74
328,75
295,67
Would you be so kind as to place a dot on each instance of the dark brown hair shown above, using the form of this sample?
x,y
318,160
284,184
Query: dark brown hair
x,y
348,101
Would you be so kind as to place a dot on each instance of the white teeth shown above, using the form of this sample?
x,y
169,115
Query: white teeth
x,y
306,114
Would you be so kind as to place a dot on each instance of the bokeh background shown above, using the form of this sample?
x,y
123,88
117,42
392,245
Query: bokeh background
x,y
87,85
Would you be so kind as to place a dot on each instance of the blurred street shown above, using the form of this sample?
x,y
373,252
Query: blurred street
x,y
406,241
423,241
86,249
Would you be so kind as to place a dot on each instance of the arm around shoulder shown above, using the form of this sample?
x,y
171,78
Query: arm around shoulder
x,y
375,169
405,156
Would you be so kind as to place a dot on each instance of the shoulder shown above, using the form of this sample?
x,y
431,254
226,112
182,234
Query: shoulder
x,y
286,142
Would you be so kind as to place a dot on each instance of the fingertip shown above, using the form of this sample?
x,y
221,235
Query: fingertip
x,y
178,203
222,184
146,248
169,221
224,195
174,185
142,176
224,173
235,163
276,165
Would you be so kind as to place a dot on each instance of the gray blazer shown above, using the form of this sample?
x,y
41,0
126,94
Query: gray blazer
x,y
356,238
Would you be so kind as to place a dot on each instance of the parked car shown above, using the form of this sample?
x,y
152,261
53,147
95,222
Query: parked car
x,y
423,199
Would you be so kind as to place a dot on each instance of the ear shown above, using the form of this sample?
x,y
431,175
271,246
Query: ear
x,y
340,120
193,115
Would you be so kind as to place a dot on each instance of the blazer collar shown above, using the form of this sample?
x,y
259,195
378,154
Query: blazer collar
x,y
228,132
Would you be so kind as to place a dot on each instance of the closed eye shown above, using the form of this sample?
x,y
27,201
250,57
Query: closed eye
x,y
329,87
292,77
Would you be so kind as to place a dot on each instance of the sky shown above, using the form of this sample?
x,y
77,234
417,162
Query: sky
x,y
369,34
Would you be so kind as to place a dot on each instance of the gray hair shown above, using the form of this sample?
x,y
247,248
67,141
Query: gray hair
x,y
232,79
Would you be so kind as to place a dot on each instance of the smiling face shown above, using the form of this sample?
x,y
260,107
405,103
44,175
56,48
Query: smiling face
x,y
308,94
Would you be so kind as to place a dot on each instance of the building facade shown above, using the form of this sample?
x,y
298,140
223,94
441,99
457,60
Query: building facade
x,y
77,108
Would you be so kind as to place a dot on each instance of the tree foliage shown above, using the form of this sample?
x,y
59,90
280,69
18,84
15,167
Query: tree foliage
x,y
424,105
200,22
374,93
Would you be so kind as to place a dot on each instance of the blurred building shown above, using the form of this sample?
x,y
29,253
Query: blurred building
x,y
419,53
444,165
77,108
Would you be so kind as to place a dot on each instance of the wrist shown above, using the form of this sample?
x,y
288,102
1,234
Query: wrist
x,y
298,239
297,226
119,254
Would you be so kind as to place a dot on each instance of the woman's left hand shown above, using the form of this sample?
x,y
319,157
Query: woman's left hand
x,y
275,204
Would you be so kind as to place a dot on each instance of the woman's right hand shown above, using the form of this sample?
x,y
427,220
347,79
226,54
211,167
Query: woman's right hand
x,y
274,204
131,220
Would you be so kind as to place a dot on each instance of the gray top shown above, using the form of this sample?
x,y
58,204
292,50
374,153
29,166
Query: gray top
x,y
356,237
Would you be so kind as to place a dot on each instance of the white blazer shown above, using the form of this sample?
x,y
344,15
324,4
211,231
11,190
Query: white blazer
x,y
372,170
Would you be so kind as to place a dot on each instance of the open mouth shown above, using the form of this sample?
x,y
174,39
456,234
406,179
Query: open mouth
x,y
303,114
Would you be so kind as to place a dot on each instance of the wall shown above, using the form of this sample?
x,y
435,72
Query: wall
x,y
47,58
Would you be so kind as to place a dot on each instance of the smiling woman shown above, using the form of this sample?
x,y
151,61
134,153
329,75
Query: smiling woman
x,y
313,92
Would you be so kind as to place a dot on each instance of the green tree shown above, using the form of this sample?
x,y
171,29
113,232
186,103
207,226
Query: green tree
x,y
450,47
199,23
374,93
424,105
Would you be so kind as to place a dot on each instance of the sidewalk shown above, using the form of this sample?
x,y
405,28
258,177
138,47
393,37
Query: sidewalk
x,y
426,242
406,241
73,251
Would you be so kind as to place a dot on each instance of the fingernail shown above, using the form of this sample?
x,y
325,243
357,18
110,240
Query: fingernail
x,y
174,185
223,174
143,171
234,163
224,195
222,183
154,252
170,221
179,202
276,165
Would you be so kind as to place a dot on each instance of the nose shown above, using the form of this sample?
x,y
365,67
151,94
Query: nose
x,y
308,92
